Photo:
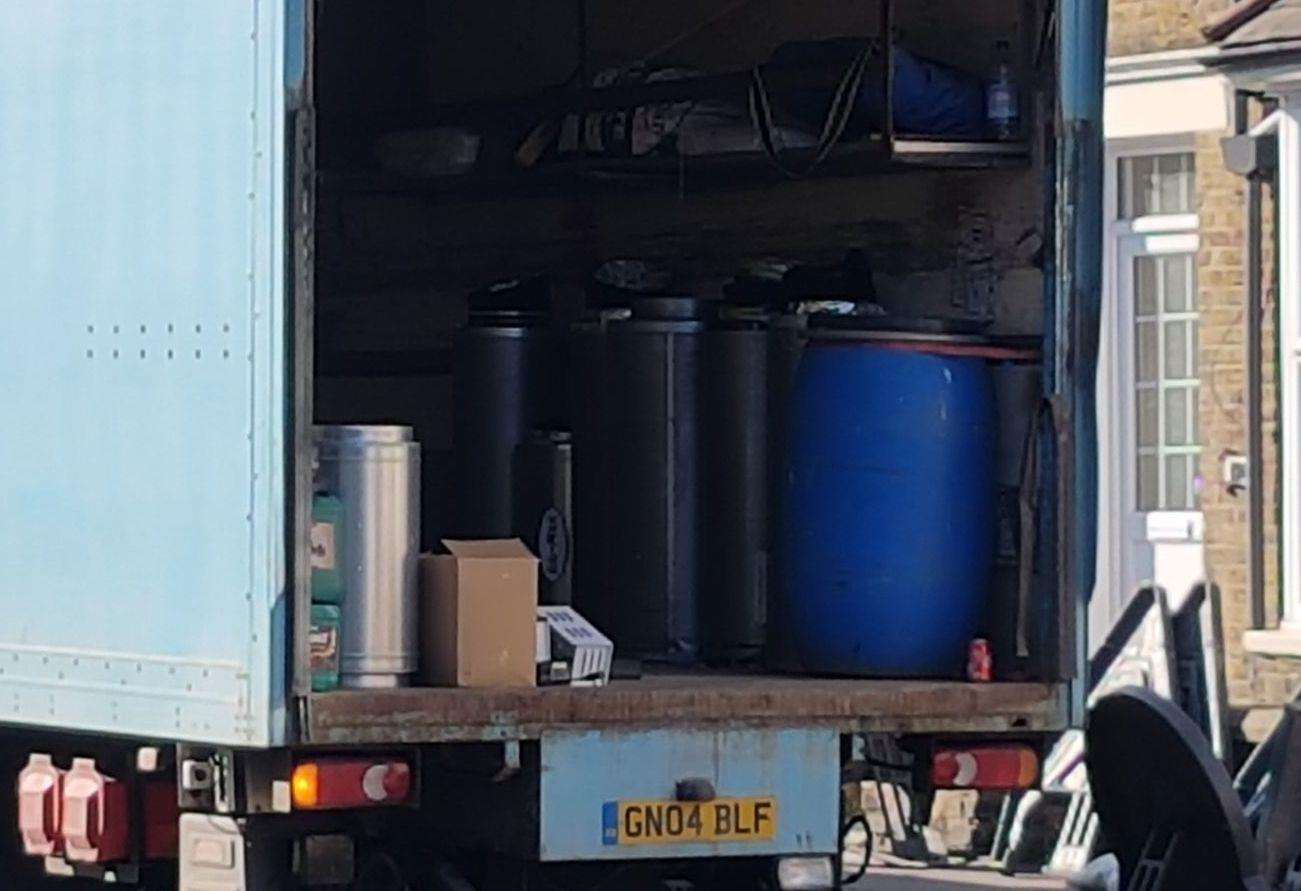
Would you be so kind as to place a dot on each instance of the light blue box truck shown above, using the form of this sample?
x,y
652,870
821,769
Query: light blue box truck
x,y
192,226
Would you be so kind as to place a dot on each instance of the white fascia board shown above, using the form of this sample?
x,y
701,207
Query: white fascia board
x,y
1167,106
1160,66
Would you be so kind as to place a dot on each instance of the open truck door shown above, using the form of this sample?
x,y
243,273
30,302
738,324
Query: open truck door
x,y
143,354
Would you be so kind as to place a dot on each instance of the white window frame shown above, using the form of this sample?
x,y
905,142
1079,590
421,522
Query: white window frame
x,y
1285,123
1288,123
1118,427
1129,247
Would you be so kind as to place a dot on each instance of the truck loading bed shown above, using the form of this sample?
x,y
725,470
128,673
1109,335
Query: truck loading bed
x,y
682,699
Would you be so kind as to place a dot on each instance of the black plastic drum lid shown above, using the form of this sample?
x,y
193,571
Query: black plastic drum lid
x,y
1160,795
741,318
504,321
663,308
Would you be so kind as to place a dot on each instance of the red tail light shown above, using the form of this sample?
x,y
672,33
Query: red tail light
x,y
162,819
985,767
335,783
40,803
95,818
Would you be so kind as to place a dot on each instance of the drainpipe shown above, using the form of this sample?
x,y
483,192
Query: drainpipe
x,y
1249,153
1253,319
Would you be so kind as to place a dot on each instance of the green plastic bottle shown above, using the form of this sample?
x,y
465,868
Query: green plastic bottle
x,y
327,549
324,640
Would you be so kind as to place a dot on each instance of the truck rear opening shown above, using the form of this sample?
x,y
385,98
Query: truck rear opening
x,y
520,249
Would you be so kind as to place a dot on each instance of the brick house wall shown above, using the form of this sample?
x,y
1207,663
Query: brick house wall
x,y
1150,26
1252,680
1138,27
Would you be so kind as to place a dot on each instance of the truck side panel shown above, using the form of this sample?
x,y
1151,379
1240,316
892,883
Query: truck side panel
x,y
141,348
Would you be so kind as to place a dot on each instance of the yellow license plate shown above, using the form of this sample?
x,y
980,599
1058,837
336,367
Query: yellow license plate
x,y
687,822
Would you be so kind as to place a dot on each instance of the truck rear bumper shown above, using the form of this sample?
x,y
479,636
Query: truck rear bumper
x,y
683,700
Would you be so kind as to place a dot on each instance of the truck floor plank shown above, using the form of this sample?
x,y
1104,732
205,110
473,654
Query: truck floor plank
x,y
419,714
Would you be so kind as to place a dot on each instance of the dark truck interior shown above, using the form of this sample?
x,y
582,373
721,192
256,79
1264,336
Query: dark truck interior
x,y
701,168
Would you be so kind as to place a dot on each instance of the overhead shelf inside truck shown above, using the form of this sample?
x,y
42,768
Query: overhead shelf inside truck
x,y
696,173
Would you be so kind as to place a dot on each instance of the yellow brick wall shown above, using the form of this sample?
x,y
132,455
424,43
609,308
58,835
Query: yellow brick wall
x,y
1272,681
1252,681
1148,26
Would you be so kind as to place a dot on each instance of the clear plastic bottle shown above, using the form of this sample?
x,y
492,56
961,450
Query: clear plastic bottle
x,y
1001,101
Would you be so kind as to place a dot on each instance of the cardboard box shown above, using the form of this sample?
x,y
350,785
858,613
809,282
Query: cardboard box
x,y
478,615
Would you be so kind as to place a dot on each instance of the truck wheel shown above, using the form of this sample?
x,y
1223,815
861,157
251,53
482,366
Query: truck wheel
x,y
855,850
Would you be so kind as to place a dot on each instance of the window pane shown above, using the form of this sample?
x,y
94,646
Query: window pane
x,y
1136,181
1147,483
1170,182
1176,351
1166,332
1145,285
1177,271
1177,412
1145,353
1178,483
1131,175
1147,418
1149,200
1156,184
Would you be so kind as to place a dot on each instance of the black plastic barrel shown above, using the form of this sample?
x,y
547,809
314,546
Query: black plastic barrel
x,y
591,580
505,383
736,511
654,454
544,510
787,336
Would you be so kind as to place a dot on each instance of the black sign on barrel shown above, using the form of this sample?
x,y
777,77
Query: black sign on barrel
x,y
544,510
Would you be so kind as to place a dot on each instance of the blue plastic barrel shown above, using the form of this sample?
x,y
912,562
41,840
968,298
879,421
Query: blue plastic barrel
x,y
888,510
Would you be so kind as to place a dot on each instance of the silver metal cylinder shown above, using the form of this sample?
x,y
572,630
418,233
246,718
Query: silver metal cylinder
x,y
375,473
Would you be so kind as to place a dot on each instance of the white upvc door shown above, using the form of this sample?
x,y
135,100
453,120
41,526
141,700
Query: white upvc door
x,y
1155,414
1149,525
